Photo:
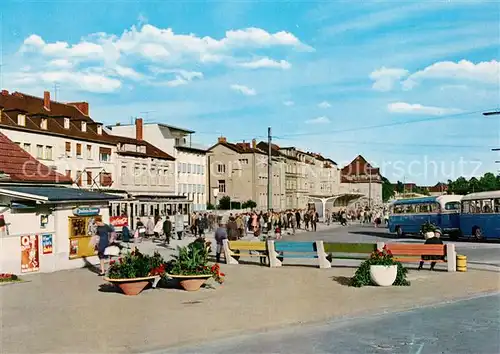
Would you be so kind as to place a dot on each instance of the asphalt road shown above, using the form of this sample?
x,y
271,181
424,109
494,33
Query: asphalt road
x,y
483,255
467,326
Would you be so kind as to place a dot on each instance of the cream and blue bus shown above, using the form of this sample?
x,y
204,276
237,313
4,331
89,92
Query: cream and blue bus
x,y
408,215
480,216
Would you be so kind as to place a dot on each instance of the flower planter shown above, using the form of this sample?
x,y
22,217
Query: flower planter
x,y
383,275
429,234
191,282
132,286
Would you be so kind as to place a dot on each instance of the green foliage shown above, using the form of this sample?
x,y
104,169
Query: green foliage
x,y
385,258
488,182
387,189
190,260
428,227
249,204
225,203
210,206
7,277
134,265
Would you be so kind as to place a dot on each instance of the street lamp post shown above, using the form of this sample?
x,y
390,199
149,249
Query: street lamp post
x,y
215,192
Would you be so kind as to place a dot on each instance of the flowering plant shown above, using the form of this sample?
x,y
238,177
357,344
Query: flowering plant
x,y
136,265
383,258
193,260
7,277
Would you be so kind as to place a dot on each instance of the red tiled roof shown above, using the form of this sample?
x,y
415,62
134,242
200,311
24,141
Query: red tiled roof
x,y
19,166
34,109
358,167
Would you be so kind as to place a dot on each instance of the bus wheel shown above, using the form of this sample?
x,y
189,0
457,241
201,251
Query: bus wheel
x,y
399,231
478,234
454,235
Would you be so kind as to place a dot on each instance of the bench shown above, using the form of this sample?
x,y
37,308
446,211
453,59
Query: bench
x,y
279,250
233,250
357,251
411,253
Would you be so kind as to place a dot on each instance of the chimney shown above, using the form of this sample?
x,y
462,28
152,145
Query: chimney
x,y
139,129
222,139
254,144
46,100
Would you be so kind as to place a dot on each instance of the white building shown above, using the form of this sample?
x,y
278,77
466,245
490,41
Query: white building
x,y
191,161
65,138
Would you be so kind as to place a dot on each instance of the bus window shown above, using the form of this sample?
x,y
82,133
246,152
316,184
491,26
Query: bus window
x,y
425,208
487,208
452,206
474,206
496,207
466,207
434,208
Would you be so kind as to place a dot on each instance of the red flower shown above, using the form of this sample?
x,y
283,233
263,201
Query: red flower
x,y
222,274
112,262
120,260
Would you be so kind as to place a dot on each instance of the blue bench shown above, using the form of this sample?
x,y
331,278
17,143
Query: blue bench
x,y
278,250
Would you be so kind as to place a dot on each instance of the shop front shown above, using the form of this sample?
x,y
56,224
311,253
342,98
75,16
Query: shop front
x,y
48,228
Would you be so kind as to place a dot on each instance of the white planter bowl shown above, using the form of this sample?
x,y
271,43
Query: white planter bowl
x,y
430,234
383,275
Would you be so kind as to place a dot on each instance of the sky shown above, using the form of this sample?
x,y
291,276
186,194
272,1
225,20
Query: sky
x,y
402,83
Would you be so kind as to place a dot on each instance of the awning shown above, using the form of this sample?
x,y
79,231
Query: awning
x,y
54,194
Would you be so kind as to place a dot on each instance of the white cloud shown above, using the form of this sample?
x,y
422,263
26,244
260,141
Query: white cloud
x,y
288,103
324,104
266,63
318,120
247,91
408,108
487,72
385,78
61,63
79,81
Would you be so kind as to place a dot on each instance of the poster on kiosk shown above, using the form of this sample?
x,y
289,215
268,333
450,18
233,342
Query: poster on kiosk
x,y
29,254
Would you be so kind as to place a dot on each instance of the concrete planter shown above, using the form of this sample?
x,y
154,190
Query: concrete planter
x,y
383,275
133,286
191,282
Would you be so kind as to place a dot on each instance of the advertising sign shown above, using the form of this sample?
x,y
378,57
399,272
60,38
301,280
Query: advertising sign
x,y
118,221
29,254
86,211
73,248
47,244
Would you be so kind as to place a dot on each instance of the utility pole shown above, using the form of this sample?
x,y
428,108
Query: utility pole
x,y
370,189
269,171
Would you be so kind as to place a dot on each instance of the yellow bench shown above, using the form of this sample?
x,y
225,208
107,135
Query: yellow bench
x,y
233,250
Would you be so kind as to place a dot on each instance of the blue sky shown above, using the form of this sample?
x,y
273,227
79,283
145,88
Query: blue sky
x,y
402,83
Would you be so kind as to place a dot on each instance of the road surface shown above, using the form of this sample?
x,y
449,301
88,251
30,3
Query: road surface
x,y
467,326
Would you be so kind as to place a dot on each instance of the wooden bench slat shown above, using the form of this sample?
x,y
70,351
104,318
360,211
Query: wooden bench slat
x,y
247,245
416,250
339,247
416,259
248,254
298,247
288,255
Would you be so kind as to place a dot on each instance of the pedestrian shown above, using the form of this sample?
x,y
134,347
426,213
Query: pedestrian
x,y
167,229
158,229
150,226
103,232
220,236
179,225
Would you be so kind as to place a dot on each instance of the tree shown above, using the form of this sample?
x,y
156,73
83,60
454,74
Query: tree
x,y
210,206
249,204
225,203
400,187
387,189
488,182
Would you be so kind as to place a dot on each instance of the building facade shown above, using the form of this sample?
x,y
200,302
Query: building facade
x,y
360,177
189,177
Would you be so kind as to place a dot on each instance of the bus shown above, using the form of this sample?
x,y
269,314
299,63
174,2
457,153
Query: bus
x,y
408,215
480,216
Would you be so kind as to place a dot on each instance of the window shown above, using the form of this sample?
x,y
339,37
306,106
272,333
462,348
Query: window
x,y
161,177
452,206
84,127
104,154
27,147
43,124
184,168
153,176
496,205
39,151
89,152
79,178
189,168
221,168
245,161
144,175
48,153
79,150
21,120
179,167
68,173
124,174
106,179
487,206
89,178
68,149
66,123
99,129
202,169
137,175
222,186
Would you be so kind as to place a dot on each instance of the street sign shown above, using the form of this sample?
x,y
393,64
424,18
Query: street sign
x,y
86,211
